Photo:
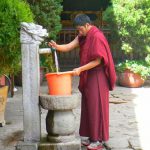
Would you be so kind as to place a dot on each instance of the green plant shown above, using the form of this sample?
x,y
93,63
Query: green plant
x,y
48,61
138,67
129,21
12,12
47,13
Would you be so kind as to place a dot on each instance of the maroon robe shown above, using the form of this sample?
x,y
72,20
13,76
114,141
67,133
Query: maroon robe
x,y
95,85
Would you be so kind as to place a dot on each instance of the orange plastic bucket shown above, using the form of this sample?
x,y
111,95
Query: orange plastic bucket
x,y
59,83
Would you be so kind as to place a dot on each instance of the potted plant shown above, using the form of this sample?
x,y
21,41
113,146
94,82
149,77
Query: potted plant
x,y
132,73
3,100
130,31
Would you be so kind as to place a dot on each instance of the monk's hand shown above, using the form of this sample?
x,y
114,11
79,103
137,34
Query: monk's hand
x,y
76,71
52,44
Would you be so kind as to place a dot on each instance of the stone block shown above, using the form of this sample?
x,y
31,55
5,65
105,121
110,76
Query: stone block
x,y
27,146
61,139
74,145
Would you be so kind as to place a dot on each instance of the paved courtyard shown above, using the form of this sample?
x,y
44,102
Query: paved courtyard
x,y
129,121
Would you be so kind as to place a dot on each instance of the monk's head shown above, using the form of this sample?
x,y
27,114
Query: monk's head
x,y
83,24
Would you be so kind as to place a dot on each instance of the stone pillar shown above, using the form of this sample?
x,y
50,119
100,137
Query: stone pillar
x,y
60,122
31,37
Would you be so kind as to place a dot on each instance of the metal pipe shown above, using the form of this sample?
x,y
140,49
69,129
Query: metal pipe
x,y
44,50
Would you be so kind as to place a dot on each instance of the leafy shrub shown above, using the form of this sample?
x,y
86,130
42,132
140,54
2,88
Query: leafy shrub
x,y
47,13
129,21
12,12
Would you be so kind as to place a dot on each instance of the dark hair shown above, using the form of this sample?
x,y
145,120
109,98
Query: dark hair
x,y
81,20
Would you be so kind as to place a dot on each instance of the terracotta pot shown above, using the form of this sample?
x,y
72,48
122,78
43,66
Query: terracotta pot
x,y
2,80
59,83
3,99
130,79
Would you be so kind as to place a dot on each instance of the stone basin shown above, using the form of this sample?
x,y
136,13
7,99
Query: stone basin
x,y
60,120
66,102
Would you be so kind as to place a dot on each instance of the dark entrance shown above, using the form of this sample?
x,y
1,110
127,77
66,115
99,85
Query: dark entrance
x,y
84,5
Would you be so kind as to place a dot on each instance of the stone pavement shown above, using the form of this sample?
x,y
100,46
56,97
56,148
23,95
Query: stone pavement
x,y
129,121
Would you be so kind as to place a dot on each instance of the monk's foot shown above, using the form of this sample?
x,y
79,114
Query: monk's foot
x,y
95,146
85,141
106,145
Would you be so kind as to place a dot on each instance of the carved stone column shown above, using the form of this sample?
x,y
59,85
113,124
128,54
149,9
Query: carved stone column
x,y
31,37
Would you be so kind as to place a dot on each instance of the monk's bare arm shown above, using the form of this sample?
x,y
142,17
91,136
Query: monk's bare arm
x,y
88,66
65,47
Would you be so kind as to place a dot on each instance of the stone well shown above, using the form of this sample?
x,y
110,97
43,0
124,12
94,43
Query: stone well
x,y
60,121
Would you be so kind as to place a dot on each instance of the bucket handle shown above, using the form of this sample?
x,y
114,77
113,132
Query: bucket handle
x,y
67,72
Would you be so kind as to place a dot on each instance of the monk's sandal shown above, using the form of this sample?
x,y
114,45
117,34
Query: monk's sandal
x,y
95,146
85,142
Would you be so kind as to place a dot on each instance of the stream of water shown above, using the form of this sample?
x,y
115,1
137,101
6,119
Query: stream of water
x,y
56,62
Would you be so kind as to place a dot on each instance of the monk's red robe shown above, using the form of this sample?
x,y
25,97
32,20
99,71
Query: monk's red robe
x,y
95,85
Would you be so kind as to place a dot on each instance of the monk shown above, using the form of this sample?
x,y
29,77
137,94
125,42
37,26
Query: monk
x,y
97,78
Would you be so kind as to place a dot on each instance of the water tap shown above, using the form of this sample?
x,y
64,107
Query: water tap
x,y
52,49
